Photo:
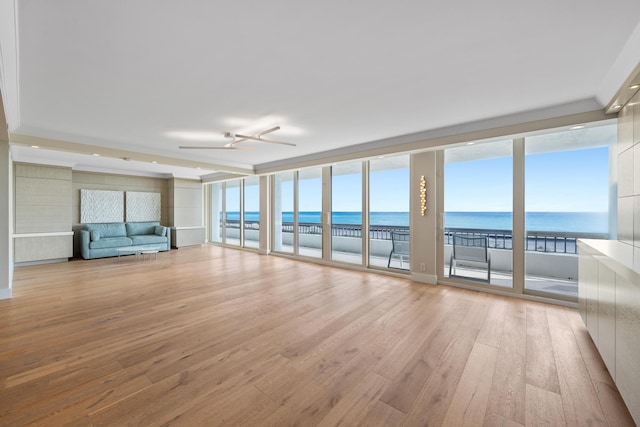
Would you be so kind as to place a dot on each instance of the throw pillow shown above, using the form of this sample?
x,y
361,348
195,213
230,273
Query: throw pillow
x,y
160,231
95,235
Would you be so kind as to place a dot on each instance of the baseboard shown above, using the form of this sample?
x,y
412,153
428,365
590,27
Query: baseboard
x,y
424,278
44,261
5,293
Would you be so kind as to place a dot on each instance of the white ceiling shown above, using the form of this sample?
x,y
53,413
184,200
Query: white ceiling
x,y
135,75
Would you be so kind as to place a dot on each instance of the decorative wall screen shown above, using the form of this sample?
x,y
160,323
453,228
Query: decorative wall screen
x,y
101,206
143,206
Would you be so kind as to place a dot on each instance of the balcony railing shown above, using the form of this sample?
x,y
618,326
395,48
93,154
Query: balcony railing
x,y
536,241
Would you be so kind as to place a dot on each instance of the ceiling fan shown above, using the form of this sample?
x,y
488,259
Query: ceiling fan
x,y
238,138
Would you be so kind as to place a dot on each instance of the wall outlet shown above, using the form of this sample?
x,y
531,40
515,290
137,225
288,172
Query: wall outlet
x,y
422,267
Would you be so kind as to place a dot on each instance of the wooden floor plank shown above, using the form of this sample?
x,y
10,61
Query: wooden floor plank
x,y
353,408
469,404
544,408
507,395
432,403
540,359
216,336
403,390
579,399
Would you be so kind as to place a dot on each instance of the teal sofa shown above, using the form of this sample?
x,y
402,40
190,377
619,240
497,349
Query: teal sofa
x,y
102,240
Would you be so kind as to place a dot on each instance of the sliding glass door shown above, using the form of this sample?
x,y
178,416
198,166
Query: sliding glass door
x,y
478,217
232,213
283,226
216,209
389,212
346,213
310,212
251,212
566,198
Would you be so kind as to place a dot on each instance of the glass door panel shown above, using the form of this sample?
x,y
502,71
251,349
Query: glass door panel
x,y
217,221
478,213
310,212
251,212
566,198
389,212
346,213
283,213
232,214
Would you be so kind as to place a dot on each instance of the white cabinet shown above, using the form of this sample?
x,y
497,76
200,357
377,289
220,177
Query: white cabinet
x,y
609,303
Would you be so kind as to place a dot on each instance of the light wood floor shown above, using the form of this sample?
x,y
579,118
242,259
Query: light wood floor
x,y
214,336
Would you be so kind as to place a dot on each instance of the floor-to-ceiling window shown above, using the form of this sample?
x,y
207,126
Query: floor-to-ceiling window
x,y
389,212
566,198
216,211
283,211
346,212
478,217
310,212
251,212
232,212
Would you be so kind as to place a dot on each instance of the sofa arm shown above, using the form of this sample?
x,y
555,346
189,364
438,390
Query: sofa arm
x,y
84,239
168,238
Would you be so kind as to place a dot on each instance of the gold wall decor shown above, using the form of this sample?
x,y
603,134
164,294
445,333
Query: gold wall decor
x,y
423,195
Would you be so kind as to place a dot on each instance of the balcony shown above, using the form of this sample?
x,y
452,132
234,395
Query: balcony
x,y
551,258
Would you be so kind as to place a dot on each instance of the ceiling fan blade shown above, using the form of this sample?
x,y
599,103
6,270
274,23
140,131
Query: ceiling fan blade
x,y
187,147
271,141
273,129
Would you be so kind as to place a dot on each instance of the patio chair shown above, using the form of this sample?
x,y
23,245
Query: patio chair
x,y
399,246
470,250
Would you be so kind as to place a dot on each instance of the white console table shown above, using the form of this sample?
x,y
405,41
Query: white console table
x,y
609,303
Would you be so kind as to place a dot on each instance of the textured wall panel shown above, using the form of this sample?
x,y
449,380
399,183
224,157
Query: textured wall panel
x,y
42,192
187,217
143,206
36,248
42,219
101,206
188,237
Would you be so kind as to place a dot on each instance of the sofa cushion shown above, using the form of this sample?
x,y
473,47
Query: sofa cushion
x,y
114,229
160,231
110,242
95,235
149,240
141,228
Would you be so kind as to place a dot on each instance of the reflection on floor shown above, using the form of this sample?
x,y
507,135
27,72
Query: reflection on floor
x,y
552,285
498,278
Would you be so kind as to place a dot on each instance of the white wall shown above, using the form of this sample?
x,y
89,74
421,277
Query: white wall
x,y
6,221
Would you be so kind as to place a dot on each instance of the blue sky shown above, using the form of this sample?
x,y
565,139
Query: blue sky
x,y
563,181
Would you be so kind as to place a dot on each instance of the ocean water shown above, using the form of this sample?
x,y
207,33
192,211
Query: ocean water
x,y
582,222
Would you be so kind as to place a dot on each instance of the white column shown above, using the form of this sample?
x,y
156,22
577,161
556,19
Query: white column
x,y
518,216
424,229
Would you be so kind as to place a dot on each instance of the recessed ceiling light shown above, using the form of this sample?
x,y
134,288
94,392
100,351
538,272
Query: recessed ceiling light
x,y
381,157
197,167
96,154
470,143
35,146
577,127
634,87
615,107
154,162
